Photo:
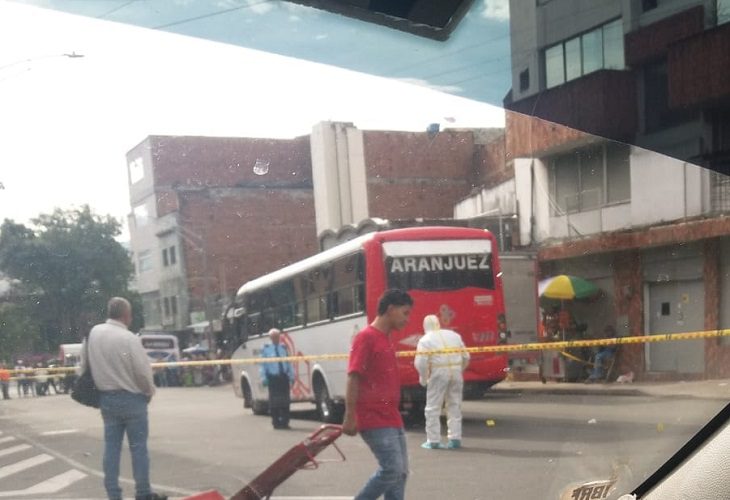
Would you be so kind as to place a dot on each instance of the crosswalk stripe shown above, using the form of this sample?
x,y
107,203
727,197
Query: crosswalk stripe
x,y
24,464
7,439
59,432
14,449
93,472
52,485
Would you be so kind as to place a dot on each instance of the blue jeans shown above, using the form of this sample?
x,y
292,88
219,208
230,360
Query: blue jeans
x,y
599,370
122,412
389,447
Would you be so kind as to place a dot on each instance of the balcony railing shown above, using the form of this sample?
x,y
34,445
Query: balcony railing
x,y
719,193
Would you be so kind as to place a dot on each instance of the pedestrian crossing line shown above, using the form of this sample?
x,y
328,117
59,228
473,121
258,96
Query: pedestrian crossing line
x,y
24,464
6,439
52,485
59,432
93,472
14,449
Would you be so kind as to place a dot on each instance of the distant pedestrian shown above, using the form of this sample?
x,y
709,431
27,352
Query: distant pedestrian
x,y
198,371
601,358
442,374
22,381
278,377
123,375
41,379
372,397
5,380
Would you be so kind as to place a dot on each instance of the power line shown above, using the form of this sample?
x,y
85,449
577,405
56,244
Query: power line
x,y
211,14
119,7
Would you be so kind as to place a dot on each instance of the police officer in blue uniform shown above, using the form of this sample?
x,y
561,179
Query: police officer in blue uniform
x,y
278,376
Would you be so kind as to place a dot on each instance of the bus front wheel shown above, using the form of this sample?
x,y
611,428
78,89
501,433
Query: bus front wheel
x,y
327,410
257,407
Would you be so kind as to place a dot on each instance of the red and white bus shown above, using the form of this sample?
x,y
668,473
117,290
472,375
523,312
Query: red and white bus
x,y
321,302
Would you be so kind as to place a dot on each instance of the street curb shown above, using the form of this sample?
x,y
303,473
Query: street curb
x,y
602,390
572,391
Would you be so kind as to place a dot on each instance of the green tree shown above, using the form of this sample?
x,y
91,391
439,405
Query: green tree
x,y
70,263
19,330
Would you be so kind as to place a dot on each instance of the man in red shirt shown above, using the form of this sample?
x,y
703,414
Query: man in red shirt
x,y
372,399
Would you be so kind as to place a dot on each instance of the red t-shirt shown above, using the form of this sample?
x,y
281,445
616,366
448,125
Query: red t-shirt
x,y
372,357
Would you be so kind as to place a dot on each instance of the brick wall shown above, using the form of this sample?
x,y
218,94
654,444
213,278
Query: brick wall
x,y
655,236
412,175
629,303
490,165
717,356
241,245
602,103
529,136
651,42
230,161
699,69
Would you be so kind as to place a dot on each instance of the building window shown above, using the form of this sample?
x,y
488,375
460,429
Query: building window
x,y
723,11
600,48
618,173
144,261
141,215
169,256
169,307
151,308
554,66
525,80
590,178
136,170
647,5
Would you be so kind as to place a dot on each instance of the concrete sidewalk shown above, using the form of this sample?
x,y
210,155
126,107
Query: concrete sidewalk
x,y
704,389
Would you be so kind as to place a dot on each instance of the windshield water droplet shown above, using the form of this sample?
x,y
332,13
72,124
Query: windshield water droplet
x,y
261,167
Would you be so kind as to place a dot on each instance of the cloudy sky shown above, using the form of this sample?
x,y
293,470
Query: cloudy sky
x,y
67,123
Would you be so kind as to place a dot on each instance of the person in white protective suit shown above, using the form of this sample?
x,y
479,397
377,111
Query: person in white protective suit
x,y
442,374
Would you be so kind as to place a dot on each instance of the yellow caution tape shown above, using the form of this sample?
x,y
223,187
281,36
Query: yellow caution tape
x,y
575,358
492,349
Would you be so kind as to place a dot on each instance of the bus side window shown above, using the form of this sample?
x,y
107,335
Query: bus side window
x,y
318,288
285,305
241,330
253,324
348,286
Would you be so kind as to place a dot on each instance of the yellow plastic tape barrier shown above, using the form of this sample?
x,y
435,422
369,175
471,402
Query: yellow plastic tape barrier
x,y
493,349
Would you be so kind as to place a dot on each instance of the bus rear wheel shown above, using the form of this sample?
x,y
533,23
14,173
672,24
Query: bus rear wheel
x,y
327,410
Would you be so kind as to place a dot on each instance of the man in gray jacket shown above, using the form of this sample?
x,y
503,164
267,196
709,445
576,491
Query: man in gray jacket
x,y
122,373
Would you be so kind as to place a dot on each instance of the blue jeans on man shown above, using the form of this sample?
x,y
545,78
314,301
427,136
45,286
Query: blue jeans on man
x,y
388,444
125,413
599,368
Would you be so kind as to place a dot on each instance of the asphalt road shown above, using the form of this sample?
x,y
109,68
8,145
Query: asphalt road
x,y
517,446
